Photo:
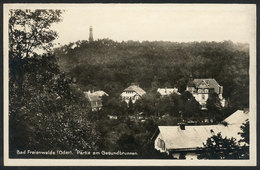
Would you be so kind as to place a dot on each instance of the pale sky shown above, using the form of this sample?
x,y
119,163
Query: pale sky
x,y
154,22
167,22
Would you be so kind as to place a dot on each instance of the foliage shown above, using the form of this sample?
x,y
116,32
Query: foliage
x,y
47,111
52,113
127,143
112,66
245,133
30,30
217,147
214,106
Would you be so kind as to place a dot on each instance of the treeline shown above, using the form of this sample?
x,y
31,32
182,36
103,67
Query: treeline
x,y
112,66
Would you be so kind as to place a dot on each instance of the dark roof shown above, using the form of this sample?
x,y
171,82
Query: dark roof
x,y
136,89
210,83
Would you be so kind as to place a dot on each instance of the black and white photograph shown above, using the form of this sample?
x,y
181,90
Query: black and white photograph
x,y
129,84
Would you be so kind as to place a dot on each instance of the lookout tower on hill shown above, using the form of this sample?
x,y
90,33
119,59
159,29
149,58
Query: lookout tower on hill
x,y
90,34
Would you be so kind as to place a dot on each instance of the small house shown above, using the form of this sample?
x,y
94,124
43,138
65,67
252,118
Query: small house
x,y
167,91
95,99
202,88
133,93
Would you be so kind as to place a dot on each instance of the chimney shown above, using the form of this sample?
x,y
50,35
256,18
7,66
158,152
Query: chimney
x,y
212,132
182,126
191,77
246,110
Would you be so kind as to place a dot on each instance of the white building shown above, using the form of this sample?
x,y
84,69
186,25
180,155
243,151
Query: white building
x,y
133,92
202,88
167,91
175,140
95,99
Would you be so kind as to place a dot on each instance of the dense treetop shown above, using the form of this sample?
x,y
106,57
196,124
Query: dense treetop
x,y
112,66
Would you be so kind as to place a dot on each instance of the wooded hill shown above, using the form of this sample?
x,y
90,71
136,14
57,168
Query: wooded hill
x,y
111,66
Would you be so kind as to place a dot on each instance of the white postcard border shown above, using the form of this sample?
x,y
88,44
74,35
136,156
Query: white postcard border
x,y
130,162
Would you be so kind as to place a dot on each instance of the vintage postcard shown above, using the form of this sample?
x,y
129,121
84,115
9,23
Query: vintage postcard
x,y
129,84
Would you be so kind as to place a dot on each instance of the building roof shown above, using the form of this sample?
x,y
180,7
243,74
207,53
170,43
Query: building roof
x,y
210,83
136,89
167,91
92,96
101,93
193,137
94,99
95,96
239,117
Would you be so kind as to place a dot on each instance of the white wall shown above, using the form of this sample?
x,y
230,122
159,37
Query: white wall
x,y
156,144
126,97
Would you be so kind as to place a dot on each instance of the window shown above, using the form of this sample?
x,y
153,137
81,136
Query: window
x,y
203,97
161,144
206,90
199,91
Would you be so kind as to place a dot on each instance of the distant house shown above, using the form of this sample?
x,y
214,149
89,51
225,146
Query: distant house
x,y
201,88
167,91
112,117
132,92
175,140
95,99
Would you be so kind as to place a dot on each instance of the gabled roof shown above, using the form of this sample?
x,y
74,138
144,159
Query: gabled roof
x,y
210,83
95,96
92,96
193,137
136,89
167,91
101,93
94,99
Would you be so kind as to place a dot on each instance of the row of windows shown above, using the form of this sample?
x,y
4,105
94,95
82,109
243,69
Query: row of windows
x,y
128,98
128,91
203,91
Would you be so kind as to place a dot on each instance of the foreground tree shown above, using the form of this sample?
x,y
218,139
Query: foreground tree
x,y
214,107
217,147
47,112
29,31
245,139
245,132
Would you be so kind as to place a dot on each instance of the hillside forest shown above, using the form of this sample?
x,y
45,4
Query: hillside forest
x,y
112,66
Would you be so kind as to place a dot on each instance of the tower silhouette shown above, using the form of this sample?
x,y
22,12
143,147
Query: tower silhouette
x,y
90,34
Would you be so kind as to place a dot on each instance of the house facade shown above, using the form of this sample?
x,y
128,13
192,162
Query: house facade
x,y
202,88
133,93
95,99
167,91
175,140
